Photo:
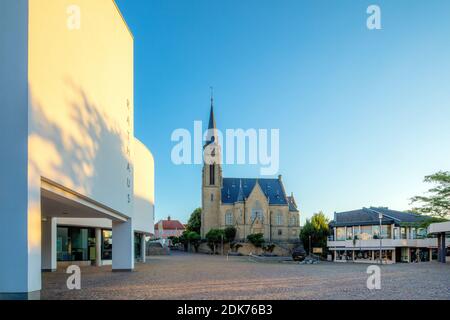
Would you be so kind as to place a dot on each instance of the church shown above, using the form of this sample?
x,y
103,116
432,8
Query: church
x,y
254,205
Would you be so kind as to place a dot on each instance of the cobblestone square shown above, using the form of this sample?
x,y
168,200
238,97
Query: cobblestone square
x,y
196,276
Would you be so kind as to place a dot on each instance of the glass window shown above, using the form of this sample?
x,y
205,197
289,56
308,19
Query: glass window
x,y
386,232
106,244
421,233
349,233
366,232
403,232
257,213
229,218
396,233
279,219
376,232
137,246
293,221
357,232
340,233
75,244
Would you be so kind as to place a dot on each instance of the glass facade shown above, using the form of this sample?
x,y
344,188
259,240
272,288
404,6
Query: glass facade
x,y
106,245
75,244
78,244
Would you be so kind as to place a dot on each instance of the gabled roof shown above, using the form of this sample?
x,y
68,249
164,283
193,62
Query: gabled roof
x,y
232,191
292,204
171,225
370,216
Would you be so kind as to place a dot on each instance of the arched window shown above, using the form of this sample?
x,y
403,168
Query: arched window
x,y
212,174
229,218
257,212
293,221
279,218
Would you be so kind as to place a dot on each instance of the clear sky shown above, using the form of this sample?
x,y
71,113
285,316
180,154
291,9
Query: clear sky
x,y
363,115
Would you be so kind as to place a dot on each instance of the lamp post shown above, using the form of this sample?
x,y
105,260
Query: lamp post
x,y
309,245
380,216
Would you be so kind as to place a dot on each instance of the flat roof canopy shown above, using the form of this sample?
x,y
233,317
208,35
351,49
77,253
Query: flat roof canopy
x,y
439,227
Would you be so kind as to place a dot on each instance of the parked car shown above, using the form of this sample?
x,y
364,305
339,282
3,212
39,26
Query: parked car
x,y
299,254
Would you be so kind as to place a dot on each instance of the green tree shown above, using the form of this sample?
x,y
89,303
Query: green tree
x,y
193,238
214,238
195,221
316,228
437,202
257,239
230,234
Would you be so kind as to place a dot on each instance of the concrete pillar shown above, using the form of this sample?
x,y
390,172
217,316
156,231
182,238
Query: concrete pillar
x,y
394,256
20,210
122,246
48,244
143,253
431,254
98,247
442,248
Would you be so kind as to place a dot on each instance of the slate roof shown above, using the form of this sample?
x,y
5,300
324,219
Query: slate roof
x,y
292,204
237,189
369,216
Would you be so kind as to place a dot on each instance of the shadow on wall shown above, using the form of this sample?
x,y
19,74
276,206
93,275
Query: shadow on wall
x,y
80,147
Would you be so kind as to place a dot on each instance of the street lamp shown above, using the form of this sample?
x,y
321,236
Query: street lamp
x,y
380,217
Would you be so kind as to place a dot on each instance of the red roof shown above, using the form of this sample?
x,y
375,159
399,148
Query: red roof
x,y
171,225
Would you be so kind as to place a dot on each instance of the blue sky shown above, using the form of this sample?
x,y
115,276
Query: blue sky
x,y
363,115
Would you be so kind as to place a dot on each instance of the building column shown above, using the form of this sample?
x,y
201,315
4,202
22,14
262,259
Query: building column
x,y
143,252
394,256
98,247
48,245
442,249
122,246
431,254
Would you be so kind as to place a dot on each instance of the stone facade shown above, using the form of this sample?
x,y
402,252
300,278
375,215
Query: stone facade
x,y
250,205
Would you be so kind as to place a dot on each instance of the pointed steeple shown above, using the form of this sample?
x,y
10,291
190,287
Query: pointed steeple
x,y
240,197
211,136
212,120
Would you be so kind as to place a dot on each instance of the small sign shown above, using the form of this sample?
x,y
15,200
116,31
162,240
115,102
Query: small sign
x,y
317,250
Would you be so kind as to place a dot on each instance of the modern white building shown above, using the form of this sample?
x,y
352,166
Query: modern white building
x,y
77,186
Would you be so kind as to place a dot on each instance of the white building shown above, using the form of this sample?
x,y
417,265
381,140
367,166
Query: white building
x,y
72,170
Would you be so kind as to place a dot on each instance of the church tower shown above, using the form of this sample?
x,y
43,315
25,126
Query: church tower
x,y
211,177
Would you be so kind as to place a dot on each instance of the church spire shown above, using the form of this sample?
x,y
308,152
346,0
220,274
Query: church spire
x,y
212,120
211,136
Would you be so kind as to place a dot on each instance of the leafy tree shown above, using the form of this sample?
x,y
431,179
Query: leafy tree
x,y
214,238
437,203
193,238
316,228
230,234
195,221
257,239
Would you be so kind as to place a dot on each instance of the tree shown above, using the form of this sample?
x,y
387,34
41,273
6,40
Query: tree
x,y
193,238
257,239
437,203
316,228
230,234
195,221
214,238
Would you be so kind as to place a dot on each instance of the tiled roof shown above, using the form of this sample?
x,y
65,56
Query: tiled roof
x,y
232,191
171,225
368,216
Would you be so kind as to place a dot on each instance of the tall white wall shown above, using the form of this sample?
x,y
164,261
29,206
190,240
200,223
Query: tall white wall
x,y
18,246
144,189
81,100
